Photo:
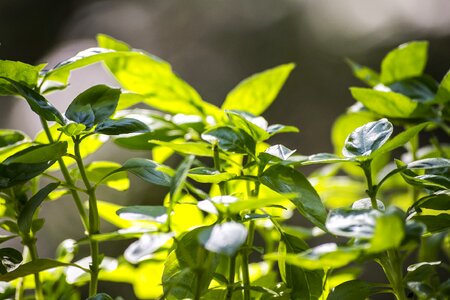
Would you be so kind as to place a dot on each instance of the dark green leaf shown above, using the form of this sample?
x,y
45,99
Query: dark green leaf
x,y
437,201
209,175
225,238
255,126
355,290
364,73
10,137
429,163
284,179
406,61
33,267
367,138
140,212
37,102
256,93
389,104
149,171
421,289
94,105
9,259
101,296
26,215
422,88
230,140
16,173
121,126
434,223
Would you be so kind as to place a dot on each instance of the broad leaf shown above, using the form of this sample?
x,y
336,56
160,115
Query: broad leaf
x,y
38,154
37,102
406,61
20,72
255,126
435,223
256,93
121,126
390,222
359,223
73,129
149,171
284,179
367,138
228,139
389,104
16,173
443,92
209,175
189,148
429,163
94,105
146,245
355,289
422,89
26,215
224,238
103,172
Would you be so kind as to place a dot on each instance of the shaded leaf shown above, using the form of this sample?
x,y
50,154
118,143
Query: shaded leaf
x,y
209,175
364,73
355,289
231,140
149,171
121,126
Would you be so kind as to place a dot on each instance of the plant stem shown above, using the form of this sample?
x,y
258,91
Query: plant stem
x,y
371,189
31,245
94,222
20,289
222,185
68,179
231,274
392,266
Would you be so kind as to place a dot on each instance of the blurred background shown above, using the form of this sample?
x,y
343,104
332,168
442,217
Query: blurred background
x,y
213,44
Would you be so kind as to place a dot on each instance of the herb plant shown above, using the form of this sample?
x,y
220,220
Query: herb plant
x,y
223,230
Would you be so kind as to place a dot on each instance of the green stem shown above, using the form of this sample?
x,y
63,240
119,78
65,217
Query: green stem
x,y
231,274
20,289
371,188
392,266
222,186
37,282
68,179
94,220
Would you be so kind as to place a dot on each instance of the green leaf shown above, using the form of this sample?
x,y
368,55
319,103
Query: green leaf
x,y
26,215
73,129
400,139
225,238
9,258
389,104
9,137
284,179
406,61
443,92
364,73
148,140
20,72
436,201
149,171
179,179
104,172
189,148
33,267
355,289
325,158
276,153
435,223
209,175
141,212
37,102
228,139
367,138
359,223
101,296
390,222
145,246
429,164
121,126
256,93
38,154
94,105
255,126
154,79
325,256
422,89
16,173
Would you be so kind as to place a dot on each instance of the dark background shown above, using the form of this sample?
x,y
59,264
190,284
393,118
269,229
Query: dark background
x,y
213,44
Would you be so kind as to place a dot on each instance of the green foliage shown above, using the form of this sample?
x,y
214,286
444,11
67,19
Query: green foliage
x,y
384,192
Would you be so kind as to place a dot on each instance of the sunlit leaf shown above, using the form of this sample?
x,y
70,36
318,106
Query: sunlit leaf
x,y
20,72
364,73
144,247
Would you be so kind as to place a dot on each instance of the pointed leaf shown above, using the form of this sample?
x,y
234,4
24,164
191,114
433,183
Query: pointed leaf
x,y
231,140
367,138
144,247
406,61
355,289
256,93
26,215
20,72
101,296
140,212
179,178
443,92
209,175
284,179
149,171
364,73
224,238
121,126
189,148
38,154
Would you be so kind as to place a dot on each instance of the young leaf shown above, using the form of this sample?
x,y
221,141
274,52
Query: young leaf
x,y
364,73
429,163
20,72
178,180
26,215
367,138
224,238
284,179
38,154
94,105
390,222
149,171
73,129
209,175
256,93
121,126
37,102
443,92
389,104
406,61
